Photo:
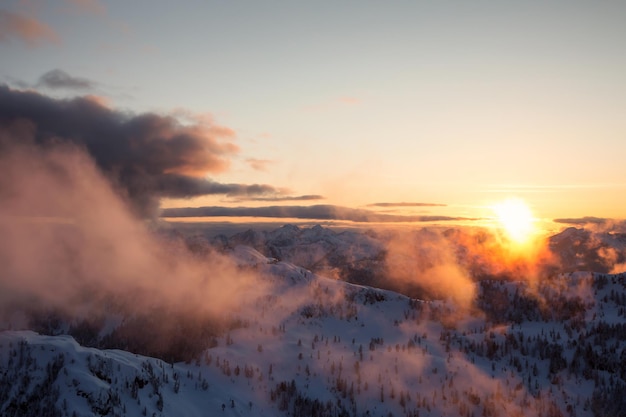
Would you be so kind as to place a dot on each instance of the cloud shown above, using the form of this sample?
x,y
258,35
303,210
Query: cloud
x,y
582,220
180,186
147,156
59,79
69,243
204,119
319,212
16,82
258,164
403,204
275,198
427,259
26,29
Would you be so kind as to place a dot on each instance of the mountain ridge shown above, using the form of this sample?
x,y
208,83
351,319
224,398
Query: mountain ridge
x,y
305,344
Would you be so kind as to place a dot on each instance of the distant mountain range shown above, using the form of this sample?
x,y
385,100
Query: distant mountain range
x,y
361,257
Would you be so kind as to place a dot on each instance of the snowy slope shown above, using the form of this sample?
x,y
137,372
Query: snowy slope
x,y
317,346
53,375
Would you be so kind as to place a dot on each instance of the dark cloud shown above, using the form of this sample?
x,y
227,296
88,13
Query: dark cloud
x,y
582,220
308,197
16,82
147,156
404,204
318,212
59,79
26,29
180,186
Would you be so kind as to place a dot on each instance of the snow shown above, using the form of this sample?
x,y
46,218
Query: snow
x,y
367,351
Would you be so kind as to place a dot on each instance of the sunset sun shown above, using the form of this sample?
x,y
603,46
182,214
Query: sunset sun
x,y
516,219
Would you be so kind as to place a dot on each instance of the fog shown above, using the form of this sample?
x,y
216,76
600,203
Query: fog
x,y
72,245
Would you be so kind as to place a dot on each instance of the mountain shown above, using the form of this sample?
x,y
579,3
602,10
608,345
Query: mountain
x,y
378,257
301,344
319,346
358,257
581,249
316,248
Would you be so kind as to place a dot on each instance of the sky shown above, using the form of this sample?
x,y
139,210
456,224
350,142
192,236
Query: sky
x,y
447,107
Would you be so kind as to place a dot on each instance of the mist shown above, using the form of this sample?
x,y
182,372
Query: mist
x,y
72,246
427,260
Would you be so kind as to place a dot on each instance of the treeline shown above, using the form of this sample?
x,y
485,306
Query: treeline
x,y
168,334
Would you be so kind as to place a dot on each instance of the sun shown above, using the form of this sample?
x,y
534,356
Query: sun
x,y
516,219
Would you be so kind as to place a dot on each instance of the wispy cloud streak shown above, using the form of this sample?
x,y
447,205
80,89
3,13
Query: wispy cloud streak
x,y
26,29
59,79
258,164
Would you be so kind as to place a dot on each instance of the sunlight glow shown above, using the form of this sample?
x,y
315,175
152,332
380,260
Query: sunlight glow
x,y
516,219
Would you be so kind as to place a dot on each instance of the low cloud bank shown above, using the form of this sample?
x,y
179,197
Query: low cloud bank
x,y
319,212
306,197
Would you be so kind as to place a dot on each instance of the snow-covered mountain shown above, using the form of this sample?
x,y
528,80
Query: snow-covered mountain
x,y
581,249
348,255
372,257
319,346
358,257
